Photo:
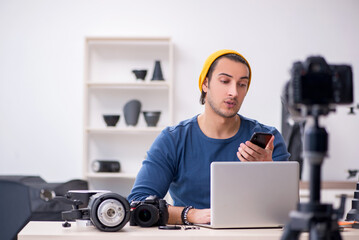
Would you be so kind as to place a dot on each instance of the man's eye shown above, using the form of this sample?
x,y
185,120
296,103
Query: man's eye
x,y
223,80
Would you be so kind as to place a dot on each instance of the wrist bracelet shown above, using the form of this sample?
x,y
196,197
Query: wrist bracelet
x,y
184,215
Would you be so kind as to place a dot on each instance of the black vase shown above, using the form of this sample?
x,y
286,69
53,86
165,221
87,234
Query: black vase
x,y
157,72
131,111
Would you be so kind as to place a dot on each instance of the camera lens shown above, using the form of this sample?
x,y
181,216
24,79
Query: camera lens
x,y
146,215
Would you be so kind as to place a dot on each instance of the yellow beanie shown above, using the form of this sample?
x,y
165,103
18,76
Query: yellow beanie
x,y
212,58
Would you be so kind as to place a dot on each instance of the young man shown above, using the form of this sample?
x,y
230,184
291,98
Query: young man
x,y
179,159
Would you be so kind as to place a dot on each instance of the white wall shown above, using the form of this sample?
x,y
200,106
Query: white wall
x,y
41,66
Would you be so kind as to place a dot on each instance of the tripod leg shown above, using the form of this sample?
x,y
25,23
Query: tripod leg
x,y
322,231
317,232
336,235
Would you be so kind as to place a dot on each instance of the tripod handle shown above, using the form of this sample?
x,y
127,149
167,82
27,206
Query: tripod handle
x,y
76,203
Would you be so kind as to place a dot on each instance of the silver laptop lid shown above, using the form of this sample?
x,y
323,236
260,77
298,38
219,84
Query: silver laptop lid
x,y
253,194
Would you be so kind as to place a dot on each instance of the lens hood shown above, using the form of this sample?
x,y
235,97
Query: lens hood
x,y
109,212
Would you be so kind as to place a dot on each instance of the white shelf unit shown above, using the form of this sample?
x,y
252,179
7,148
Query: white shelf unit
x,y
108,85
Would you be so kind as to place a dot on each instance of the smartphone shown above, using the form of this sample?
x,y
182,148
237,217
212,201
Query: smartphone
x,y
261,139
175,227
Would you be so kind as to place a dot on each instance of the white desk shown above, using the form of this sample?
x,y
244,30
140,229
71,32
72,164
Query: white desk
x,y
54,230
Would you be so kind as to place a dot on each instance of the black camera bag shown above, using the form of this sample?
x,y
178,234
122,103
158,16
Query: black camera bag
x,y
21,201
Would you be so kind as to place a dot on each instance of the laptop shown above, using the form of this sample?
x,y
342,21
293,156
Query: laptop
x,y
253,194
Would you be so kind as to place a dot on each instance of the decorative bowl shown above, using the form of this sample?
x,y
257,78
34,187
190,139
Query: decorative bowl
x,y
111,120
152,118
140,74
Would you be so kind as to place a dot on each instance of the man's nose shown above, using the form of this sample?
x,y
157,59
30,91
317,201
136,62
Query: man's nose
x,y
232,90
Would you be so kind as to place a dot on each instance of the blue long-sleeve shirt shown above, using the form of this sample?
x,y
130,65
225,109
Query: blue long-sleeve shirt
x,y
179,161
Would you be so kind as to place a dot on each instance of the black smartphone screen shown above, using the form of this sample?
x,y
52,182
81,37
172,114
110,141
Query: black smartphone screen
x,y
261,139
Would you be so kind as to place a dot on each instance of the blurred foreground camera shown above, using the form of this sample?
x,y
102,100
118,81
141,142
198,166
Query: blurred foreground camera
x,y
314,82
108,211
150,212
314,89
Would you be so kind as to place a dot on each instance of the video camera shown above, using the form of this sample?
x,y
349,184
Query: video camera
x,y
315,82
314,89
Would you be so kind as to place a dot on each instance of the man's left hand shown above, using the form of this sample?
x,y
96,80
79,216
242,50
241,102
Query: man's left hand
x,y
249,152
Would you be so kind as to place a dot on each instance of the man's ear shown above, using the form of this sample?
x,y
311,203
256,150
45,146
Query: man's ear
x,y
205,85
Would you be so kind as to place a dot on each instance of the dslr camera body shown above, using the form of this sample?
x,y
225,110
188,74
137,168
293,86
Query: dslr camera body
x,y
150,212
317,83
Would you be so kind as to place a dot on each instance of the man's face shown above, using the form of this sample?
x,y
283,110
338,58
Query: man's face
x,y
228,87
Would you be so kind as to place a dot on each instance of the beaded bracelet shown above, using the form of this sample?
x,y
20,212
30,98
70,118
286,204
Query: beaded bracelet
x,y
184,215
